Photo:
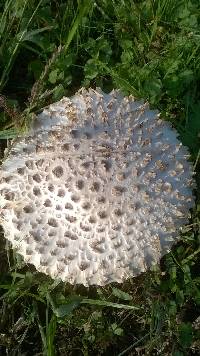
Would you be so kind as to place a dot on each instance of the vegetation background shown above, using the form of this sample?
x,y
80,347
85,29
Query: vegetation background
x,y
151,49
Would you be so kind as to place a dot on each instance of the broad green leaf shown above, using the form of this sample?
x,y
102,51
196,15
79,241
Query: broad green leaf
x,y
65,309
120,294
58,92
30,35
185,335
116,329
91,69
53,75
9,133
36,68
152,87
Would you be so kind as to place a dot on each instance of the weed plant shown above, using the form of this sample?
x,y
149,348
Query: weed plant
x,y
148,48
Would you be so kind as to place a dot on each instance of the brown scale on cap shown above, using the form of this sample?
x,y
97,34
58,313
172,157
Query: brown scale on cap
x,y
97,176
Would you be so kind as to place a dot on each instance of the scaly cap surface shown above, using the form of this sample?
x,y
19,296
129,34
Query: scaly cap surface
x,y
97,190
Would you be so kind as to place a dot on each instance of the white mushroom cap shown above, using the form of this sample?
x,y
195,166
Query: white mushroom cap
x,y
97,190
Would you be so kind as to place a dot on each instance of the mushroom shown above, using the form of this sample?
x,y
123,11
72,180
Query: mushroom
x,y
98,189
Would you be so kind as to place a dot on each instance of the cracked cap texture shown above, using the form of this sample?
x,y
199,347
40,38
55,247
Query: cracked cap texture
x,y
98,189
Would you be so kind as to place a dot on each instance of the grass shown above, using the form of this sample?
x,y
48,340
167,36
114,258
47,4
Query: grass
x,y
149,49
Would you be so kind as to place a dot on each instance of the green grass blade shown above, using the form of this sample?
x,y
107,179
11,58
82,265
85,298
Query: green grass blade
x,y
3,18
104,303
82,11
18,41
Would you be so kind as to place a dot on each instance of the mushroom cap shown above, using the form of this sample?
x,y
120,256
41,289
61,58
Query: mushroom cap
x,y
98,189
